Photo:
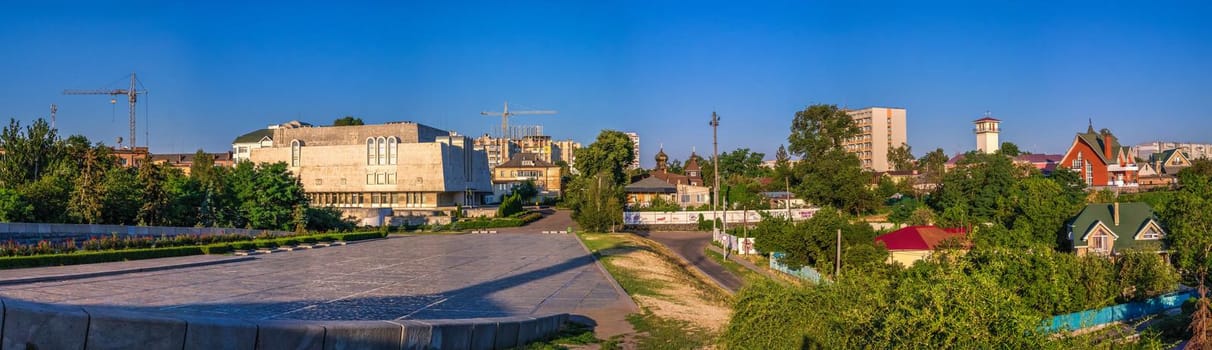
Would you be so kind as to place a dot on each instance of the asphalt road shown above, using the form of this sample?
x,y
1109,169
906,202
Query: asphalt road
x,y
690,246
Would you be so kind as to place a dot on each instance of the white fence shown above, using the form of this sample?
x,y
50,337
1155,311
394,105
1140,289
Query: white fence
x,y
692,217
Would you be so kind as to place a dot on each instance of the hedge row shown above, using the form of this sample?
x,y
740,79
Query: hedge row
x,y
90,257
96,257
513,221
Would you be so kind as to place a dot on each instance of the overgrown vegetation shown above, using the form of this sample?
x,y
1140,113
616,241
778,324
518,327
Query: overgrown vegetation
x,y
986,299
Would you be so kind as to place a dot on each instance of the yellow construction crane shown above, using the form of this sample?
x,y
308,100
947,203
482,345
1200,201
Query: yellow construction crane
x,y
507,113
131,95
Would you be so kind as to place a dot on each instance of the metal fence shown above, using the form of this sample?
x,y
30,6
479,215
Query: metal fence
x,y
730,216
806,272
1116,313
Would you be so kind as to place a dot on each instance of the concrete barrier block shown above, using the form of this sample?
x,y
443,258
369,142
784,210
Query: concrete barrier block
x,y
219,333
450,334
298,335
362,335
417,334
507,335
547,326
528,331
110,328
43,326
483,334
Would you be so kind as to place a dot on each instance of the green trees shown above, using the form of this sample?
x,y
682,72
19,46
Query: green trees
x,y
828,175
47,179
599,203
901,157
813,242
933,165
347,121
596,195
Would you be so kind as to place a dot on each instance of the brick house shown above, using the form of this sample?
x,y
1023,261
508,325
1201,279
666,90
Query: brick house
x,y
1101,160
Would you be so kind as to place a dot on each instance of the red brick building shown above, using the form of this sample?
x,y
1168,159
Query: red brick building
x,y
1101,160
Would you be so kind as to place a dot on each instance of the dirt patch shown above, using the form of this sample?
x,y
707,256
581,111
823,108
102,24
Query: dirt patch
x,y
678,297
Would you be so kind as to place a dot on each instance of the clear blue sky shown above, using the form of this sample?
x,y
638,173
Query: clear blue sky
x,y
217,70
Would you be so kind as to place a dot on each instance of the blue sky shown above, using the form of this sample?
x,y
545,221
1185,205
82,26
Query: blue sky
x,y
216,70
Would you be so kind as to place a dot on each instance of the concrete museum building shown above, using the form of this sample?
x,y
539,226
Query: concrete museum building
x,y
400,169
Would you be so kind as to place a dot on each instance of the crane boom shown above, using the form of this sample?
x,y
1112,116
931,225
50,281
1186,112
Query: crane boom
x,y
505,114
132,96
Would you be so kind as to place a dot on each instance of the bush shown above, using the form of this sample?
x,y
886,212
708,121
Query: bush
x,y
95,257
510,206
221,248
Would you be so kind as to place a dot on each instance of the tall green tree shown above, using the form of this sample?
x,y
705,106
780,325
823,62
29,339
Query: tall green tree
x,y
28,154
276,193
155,200
598,204
88,200
123,193
740,162
933,165
828,175
901,157
610,153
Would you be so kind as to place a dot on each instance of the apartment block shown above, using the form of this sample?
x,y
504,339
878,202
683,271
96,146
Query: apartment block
x,y
880,129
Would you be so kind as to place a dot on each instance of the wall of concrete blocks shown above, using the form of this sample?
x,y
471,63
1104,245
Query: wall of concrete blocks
x,y
55,232
28,325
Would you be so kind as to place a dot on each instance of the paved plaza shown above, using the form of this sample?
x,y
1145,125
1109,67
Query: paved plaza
x,y
407,277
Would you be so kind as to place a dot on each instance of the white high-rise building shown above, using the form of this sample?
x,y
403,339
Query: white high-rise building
x,y
635,142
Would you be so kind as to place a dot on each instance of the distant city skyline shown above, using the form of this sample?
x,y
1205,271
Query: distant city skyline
x,y
215,71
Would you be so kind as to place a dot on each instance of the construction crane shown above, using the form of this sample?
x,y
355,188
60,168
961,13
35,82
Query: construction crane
x,y
131,94
506,114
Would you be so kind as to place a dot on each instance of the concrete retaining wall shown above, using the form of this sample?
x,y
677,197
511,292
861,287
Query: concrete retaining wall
x,y
27,325
33,232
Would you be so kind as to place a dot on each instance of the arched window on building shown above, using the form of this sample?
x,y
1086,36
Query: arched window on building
x,y
382,153
295,148
392,150
370,151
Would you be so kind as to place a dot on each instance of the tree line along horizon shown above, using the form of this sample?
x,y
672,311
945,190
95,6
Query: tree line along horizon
x,y
1019,250
45,178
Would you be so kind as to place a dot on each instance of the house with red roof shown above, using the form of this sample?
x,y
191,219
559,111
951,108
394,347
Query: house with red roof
x,y
913,243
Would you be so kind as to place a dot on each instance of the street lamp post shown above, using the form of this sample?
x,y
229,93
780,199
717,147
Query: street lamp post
x,y
715,149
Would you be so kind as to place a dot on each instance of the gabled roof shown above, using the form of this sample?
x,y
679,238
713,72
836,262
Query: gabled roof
x,y
1097,142
1133,216
918,238
255,136
517,159
650,185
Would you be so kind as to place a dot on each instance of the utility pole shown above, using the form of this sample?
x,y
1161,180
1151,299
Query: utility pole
x,y
787,182
715,156
837,269
54,109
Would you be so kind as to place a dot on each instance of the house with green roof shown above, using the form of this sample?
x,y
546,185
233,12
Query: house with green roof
x,y
1170,161
1110,228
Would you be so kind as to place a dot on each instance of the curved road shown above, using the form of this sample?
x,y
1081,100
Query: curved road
x,y
690,246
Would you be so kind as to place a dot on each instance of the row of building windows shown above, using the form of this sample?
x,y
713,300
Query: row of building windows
x,y
381,178
360,198
381,150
